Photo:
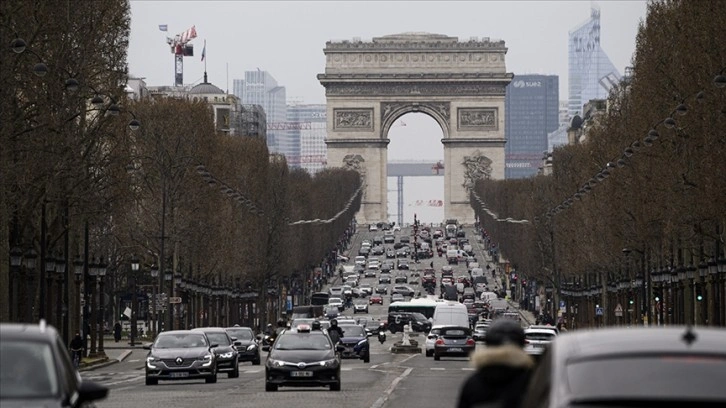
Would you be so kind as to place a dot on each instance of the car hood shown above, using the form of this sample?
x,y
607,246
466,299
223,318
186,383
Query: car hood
x,y
222,349
351,339
180,352
301,356
247,342
36,402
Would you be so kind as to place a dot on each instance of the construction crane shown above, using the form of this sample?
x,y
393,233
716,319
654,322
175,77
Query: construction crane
x,y
181,48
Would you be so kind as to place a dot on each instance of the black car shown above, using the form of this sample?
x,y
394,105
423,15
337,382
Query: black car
x,y
303,358
181,355
419,322
248,348
384,278
355,341
36,370
225,353
382,289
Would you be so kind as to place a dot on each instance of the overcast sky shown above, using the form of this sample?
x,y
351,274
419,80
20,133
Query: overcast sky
x,y
286,38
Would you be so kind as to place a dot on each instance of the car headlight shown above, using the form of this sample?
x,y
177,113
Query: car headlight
x,y
275,363
226,355
150,360
207,360
251,347
329,363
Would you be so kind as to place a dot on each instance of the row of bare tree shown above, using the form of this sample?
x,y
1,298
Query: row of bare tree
x,y
639,182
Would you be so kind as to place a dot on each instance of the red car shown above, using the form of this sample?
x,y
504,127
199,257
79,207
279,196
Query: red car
x,y
376,299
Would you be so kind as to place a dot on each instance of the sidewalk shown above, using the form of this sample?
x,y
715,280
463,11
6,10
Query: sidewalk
x,y
112,354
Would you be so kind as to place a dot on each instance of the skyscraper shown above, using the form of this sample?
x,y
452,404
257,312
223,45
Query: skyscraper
x,y
531,107
591,73
260,88
308,126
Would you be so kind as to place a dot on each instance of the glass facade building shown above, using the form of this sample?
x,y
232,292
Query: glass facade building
x,y
591,74
260,88
532,112
307,129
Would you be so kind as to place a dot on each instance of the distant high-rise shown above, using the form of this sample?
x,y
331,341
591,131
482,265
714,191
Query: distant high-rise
x,y
260,88
308,126
531,107
591,73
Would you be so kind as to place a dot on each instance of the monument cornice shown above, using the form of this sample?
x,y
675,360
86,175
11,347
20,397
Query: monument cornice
x,y
368,142
477,142
398,77
417,89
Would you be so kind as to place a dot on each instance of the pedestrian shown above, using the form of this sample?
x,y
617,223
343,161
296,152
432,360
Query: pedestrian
x,y
117,332
502,369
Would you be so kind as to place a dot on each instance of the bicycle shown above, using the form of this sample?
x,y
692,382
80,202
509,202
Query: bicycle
x,y
76,355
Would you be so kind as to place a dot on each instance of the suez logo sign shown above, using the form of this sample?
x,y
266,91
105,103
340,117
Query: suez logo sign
x,y
527,84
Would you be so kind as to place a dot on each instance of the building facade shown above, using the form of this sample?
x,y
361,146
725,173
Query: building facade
x,y
591,74
308,130
260,88
532,113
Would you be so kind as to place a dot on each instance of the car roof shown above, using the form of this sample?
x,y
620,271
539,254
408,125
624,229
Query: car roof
x,y
36,331
548,331
210,329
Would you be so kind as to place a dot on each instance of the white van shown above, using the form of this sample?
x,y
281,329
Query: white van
x,y
450,314
488,296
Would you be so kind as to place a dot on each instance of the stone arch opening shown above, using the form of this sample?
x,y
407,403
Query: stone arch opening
x,y
461,84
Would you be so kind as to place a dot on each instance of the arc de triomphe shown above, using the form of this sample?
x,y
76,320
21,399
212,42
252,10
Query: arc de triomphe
x,y
460,84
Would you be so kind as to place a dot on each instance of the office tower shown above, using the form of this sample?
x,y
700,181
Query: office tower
x,y
532,112
307,129
260,88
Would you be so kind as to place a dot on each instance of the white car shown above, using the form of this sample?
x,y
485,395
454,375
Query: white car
x,y
336,302
360,260
396,228
431,340
537,340
373,227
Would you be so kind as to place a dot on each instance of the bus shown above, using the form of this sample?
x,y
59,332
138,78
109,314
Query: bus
x,y
425,306
319,298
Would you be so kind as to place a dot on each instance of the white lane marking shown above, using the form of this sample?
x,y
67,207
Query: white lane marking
x,y
134,361
382,400
252,371
126,380
346,368
438,368
468,368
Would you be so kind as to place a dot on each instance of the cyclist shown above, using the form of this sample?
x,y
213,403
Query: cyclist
x,y
76,349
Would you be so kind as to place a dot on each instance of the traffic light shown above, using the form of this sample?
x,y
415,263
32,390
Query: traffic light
x,y
699,293
630,301
657,295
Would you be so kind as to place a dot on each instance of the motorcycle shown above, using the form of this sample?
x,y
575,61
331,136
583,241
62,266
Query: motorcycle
x,y
382,337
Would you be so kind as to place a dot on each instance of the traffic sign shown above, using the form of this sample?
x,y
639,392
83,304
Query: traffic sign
x,y
599,311
619,310
174,299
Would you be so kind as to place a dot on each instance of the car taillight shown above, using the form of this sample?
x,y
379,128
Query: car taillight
x,y
440,342
470,342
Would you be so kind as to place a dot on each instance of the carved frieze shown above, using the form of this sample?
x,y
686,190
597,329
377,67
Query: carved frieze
x,y
440,108
477,118
417,89
476,167
353,119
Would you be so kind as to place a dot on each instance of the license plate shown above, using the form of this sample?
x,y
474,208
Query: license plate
x,y
455,349
180,374
301,374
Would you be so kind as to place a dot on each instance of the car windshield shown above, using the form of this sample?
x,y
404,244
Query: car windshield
x,y
295,341
219,339
418,316
540,336
180,340
27,370
353,331
676,377
241,334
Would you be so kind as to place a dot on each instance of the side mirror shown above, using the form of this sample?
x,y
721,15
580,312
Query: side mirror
x,y
266,348
431,336
237,343
90,391
213,345
258,337
233,339
340,348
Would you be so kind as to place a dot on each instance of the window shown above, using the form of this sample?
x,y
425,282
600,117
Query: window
x,y
27,370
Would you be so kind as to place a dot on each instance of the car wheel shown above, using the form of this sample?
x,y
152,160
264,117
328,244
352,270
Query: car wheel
x,y
235,373
212,379
335,387
256,361
436,357
151,381
270,387
429,353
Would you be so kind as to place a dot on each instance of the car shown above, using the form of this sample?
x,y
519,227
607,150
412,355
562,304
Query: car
x,y
397,320
403,290
431,340
355,341
480,332
336,291
303,358
366,288
389,239
364,251
397,297
336,302
390,253
402,264
396,228
635,366
386,267
331,312
37,369
226,350
384,278
360,307
382,289
360,260
248,348
370,273
400,279
180,355
378,240
376,299
537,340
453,341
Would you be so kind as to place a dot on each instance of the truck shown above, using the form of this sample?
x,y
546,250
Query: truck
x,y
307,311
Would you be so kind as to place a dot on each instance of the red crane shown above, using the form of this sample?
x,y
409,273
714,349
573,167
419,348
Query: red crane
x,y
181,48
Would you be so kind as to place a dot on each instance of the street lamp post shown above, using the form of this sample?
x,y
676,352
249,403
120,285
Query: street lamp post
x,y
134,298
154,300
101,305
92,273
49,271
78,278
16,260
60,269
168,286
30,259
